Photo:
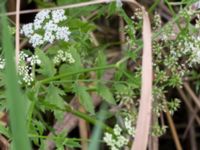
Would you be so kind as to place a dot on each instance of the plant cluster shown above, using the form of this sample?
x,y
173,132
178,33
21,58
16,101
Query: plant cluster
x,y
62,61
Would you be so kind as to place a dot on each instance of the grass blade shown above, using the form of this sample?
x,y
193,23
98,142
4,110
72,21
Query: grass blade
x,y
15,101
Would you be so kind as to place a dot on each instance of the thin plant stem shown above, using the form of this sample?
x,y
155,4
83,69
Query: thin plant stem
x,y
48,80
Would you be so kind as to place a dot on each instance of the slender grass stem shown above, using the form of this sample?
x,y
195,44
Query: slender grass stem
x,y
14,97
88,118
60,76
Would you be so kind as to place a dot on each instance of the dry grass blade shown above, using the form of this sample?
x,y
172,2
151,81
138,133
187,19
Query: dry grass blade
x,y
83,4
17,35
144,116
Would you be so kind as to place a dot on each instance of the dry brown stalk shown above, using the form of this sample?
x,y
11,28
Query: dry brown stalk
x,y
83,129
187,103
173,130
192,94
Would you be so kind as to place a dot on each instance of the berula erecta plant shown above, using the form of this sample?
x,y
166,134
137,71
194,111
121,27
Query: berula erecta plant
x,y
61,60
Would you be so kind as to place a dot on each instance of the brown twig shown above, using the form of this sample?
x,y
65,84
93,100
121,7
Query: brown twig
x,y
192,134
173,130
122,36
191,121
153,141
192,94
83,129
191,109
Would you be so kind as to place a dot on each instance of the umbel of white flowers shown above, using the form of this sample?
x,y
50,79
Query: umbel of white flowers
x,y
24,67
117,140
46,28
63,57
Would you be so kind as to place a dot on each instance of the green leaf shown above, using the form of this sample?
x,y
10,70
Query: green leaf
x,y
54,97
101,61
85,98
105,93
46,66
97,131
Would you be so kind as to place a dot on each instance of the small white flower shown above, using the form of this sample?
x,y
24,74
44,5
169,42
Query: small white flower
x,y
48,23
27,77
58,15
63,33
2,63
42,15
138,13
129,127
50,26
117,130
69,58
22,56
36,40
121,141
37,24
27,29
63,57
34,60
117,140
49,37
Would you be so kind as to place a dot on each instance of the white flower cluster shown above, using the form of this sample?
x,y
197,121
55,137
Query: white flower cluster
x,y
138,14
158,130
63,57
197,25
129,126
157,21
191,45
46,22
187,13
2,63
24,67
25,70
116,141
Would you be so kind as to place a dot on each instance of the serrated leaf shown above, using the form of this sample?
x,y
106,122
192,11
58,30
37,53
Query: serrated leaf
x,y
85,98
106,94
46,66
54,97
101,61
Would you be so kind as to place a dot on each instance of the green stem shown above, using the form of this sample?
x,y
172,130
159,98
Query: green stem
x,y
153,6
57,137
69,109
173,13
47,80
88,118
